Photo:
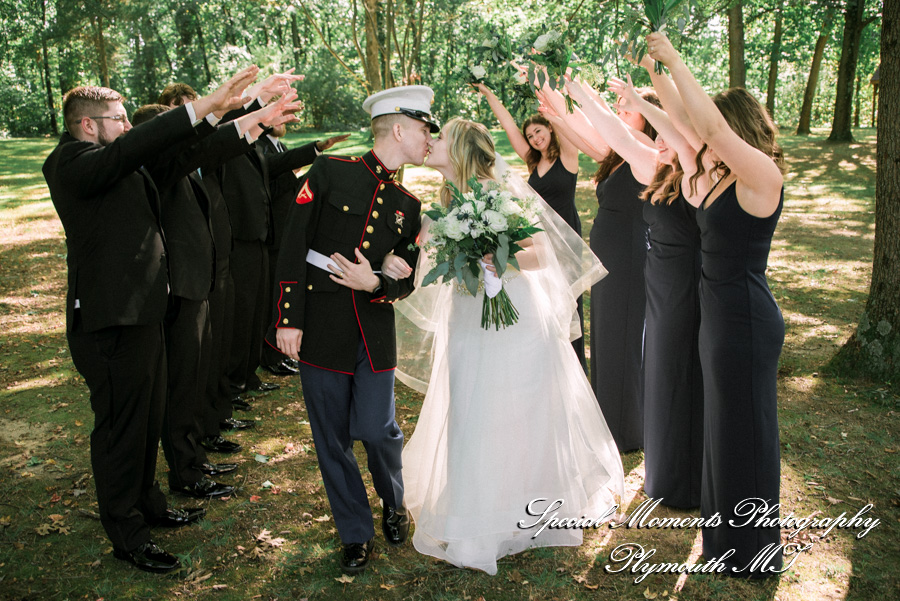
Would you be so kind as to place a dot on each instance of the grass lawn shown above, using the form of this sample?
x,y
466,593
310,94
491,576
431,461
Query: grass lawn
x,y
275,538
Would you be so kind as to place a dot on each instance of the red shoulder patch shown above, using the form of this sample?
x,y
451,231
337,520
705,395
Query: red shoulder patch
x,y
305,194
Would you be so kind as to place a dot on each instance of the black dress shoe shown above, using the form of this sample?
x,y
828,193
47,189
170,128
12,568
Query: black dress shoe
x,y
267,386
355,557
282,368
216,469
204,488
176,518
235,424
395,525
217,444
292,363
149,557
240,404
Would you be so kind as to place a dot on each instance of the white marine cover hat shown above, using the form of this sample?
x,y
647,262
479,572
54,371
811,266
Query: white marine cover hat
x,y
412,101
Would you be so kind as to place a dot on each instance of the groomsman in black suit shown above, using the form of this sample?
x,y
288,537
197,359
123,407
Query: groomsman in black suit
x,y
117,298
283,189
245,185
335,316
217,412
186,225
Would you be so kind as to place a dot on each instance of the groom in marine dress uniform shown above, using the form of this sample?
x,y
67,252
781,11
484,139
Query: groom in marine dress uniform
x,y
334,311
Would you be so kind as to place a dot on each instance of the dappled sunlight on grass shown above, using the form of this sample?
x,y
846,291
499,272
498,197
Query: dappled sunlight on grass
x,y
838,440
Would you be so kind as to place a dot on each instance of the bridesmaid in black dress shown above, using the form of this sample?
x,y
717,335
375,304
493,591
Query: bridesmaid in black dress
x,y
673,379
742,330
552,161
619,239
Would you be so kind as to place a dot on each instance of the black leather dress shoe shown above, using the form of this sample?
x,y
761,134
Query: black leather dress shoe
x,y
267,386
217,469
205,488
240,404
282,368
149,557
355,557
395,525
176,518
217,444
235,424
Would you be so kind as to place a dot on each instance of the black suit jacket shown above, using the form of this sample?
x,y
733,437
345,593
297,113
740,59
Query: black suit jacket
x,y
187,207
109,208
245,185
284,187
345,203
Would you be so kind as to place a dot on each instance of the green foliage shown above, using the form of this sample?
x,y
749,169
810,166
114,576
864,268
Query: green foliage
x,y
147,45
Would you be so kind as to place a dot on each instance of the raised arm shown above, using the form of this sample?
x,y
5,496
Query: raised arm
x,y
759,179
588,139
518,141
641,157
228,96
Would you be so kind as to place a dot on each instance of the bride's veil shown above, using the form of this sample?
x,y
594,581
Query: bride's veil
x,y
567,269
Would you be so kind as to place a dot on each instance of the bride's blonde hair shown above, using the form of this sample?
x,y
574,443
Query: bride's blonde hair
x,y
471,150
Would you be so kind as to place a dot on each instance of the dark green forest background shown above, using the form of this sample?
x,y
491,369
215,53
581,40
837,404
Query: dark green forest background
x,y
811,62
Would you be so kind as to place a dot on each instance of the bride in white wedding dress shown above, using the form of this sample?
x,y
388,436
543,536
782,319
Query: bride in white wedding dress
x,y
509,418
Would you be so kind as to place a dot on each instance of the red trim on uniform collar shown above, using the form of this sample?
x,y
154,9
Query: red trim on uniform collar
x,y
377,167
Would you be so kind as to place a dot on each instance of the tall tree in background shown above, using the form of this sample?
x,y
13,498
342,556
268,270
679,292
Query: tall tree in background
x,y
873,351
737,69
803,127
775,56
854,23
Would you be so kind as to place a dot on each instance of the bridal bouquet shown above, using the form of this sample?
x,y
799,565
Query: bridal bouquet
x,y
657,15
485,220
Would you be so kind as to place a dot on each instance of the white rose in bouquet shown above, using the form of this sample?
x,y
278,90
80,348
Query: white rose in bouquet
x,y
542,42
478,72
452,228
509,207
495,221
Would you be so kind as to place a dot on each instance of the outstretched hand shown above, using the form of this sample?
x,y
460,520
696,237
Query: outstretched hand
x,y
324,145
660,48
274,85
625,91
282,111
228,96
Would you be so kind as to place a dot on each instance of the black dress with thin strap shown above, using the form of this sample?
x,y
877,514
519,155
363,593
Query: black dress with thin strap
x,y
619,239
557,188
741,335
673,380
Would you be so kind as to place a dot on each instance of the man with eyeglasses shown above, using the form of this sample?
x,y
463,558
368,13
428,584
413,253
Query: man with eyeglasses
x,y
117,296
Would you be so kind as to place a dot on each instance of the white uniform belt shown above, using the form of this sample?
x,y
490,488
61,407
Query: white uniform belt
x,y
322,262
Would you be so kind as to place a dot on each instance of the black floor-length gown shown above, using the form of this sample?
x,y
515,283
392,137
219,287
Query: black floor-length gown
x,y
557,188
673,380
741,335
619,239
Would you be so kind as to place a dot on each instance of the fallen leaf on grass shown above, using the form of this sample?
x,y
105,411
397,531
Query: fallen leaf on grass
x,y
345,579
648,594
832,500
261,458
323,518
255,498
5,521
219,587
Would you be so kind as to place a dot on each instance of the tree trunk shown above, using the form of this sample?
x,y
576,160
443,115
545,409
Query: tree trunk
x,y
773,61
54,128
856,101
810,93
873,351
202,43
373,72
843,98
388,29
295,40
101,51
737,70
